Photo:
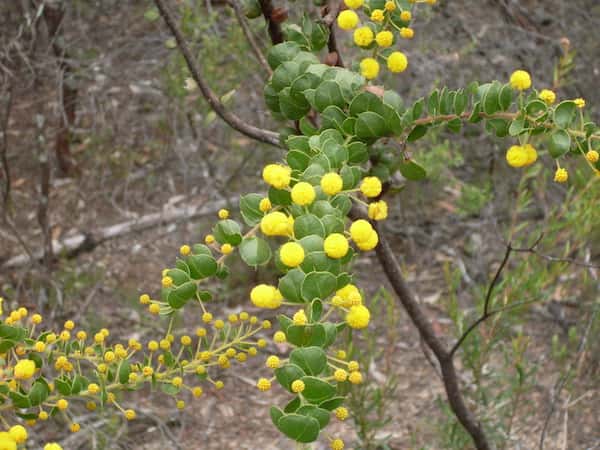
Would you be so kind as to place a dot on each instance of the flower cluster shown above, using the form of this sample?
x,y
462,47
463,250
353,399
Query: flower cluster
x,y
380,31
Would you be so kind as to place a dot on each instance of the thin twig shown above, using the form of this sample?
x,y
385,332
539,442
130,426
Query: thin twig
x,y
266,136
4,150
249,36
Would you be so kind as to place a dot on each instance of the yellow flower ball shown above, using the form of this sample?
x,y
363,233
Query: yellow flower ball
x,y
209,239
341,354
266,296
300,318
279,337
185,250
130,414
547,96
265,204
223,214
341,413
354,4
358,317
579,102
531,153
370,243
384,38
407,33
18,433
277,175
298,386
561,175
340,375
390,6
332,183
378,210
52,446
397,62
520,80
336,246
355,378
360,230
377,15
363,36
291,254
405,16
24,369
273,362
369,68
7,442
336,444
303,193
370,186
516,156
276,224
347,20
349,295
263,385
592,156
62,404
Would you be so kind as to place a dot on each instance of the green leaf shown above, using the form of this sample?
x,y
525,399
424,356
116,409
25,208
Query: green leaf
x,y
299,428
417,133
411,170
505,97
181,295
490,99
322,415
517,127
316,390
366,101
564,114
370,125
293,405
255,251
536,108
280,197
228,231
333,117
250,209
287,374
297,160
460,102
560,143
39,392
312,360
21,400
312,243
290,285
357,152
281,53
285,75
276,414
63,385
308,224
332,403
318,285
328,93
201,266
292,105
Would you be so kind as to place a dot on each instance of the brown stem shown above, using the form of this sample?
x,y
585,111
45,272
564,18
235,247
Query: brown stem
x,y
455,399
44,200
274,27
266,136
249,36
333,9
54,13
4,151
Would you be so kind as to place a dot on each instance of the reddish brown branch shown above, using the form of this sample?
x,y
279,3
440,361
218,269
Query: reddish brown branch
x,y
266,136
249,36
4,150
271,15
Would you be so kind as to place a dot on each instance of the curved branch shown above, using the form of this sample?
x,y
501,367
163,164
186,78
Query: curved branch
x,y
274,27
259,134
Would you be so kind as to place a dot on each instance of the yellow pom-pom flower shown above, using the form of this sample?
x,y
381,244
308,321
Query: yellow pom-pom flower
x,y
370,243
363,36
390,6
354,4
347,20
579,102
273,362
303,193
332,183
358,317
520,80
378,210
277,175
24,369
336,246
531,153
370,186
377,15
407,33
592,156
223,214
291,254
297,386
340,375
52,446
405,16
360,230
355,378
18,433
336,444
300,318
263,385
561,175
547,96
384,38
279,337
276,224
516,156
397,62
265,204
369,68
341,413
266,296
